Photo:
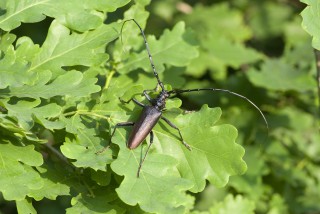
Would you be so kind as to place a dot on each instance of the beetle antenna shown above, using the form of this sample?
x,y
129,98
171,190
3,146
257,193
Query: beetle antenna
x,y
148,51
179,91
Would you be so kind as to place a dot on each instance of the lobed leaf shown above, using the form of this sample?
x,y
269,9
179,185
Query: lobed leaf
x,y
214,156
18,178
26,113
278,75
251,182
231,204
158,182
13,71
83,150
25,206
72,83
64,49
221,40
80,17
311,15
54,184
172,49
100,203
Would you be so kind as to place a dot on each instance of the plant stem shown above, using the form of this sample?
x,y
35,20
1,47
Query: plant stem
x,y
317,53
109,77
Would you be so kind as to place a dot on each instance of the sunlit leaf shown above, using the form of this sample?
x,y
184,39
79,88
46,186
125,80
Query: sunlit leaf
x,y
18,178
232,204
310,24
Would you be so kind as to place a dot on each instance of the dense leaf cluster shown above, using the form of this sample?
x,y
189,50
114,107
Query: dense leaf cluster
x,y
59,103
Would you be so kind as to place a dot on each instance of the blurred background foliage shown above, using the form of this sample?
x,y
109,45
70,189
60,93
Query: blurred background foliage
x,y
259,49
256,48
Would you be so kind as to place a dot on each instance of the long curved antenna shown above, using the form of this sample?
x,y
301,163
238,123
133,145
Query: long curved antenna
x,y
179,91
148,50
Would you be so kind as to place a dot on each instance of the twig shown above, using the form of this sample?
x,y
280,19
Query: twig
x,y
317,53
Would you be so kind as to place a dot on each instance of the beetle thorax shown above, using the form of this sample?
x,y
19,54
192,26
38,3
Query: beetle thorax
x,y
160,101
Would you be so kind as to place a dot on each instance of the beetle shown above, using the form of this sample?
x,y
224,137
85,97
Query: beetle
x,y
152,113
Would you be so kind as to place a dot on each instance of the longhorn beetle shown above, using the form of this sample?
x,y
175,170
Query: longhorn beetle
x,y
152,113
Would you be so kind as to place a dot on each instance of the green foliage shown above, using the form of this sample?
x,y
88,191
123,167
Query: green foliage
x,y
310,16
233,205
59,103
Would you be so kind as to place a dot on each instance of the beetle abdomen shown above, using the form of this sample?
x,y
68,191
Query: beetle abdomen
x,y
143,126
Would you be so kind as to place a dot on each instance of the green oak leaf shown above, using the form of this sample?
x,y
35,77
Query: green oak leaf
x,y
158,181
311,15
72,83
9,129
83,149
27,112
7,41
13,71
279,75
18,178
53,184
25,206
102,178
62,48
225,21
221,40
18,11
278,204
215,156
101,203
80,17
172,48
7,124
251,182
271,26
138,12
223,53
232,204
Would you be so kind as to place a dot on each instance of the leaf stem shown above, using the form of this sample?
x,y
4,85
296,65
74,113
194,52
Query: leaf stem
x,y
89,113
109,77
317,54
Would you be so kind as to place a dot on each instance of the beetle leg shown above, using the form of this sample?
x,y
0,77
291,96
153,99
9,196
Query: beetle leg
x,y
121,125
145,92
114,130
138,103
142,159
134,100
173,126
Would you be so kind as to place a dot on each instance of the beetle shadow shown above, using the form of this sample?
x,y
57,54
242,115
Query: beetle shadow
x,y
166,127
134,113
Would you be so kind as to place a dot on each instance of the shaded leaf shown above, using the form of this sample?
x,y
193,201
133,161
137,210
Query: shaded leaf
x,y
221,40
278,75
98,204
18,178
54,184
